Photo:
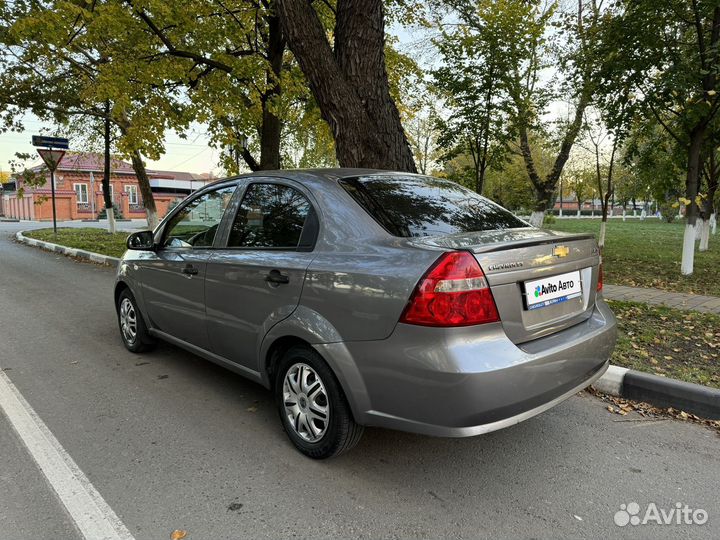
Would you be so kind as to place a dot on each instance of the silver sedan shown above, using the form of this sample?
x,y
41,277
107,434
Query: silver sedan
x,y
371,298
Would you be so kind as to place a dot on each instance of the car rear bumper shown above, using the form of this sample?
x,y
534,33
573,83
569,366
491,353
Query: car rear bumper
x,y
462,382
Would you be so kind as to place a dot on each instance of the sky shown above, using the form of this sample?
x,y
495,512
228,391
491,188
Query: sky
x,y
192,154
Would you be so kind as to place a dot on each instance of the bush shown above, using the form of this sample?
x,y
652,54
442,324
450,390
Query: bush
x,y
668,212
116,211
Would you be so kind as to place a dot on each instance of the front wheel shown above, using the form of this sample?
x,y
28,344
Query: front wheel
x,y
133,331
312,406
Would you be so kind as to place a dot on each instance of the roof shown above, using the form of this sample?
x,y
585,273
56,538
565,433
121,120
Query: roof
x,y
95,161
312,175
177,175
92,161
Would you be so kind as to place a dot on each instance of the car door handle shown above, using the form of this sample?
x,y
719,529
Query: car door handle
x,y
274,276
190,270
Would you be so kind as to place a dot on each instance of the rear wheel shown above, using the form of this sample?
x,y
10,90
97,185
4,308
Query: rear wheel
x,y
133,331
312,406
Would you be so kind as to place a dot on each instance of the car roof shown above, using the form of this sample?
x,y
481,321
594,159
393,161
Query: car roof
x,y
329,174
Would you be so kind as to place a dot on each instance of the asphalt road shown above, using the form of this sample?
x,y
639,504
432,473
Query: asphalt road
x,y
173,442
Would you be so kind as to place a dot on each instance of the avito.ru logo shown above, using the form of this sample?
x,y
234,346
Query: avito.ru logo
x,y
680,515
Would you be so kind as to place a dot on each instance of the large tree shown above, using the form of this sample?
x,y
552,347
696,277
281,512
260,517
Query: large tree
x,y
349,80
475,59
668,52
536,54
63,60
231,59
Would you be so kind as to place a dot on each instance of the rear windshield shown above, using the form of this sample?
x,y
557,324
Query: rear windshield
x,y
425,206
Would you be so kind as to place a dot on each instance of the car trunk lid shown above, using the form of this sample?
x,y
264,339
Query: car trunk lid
x,y
542,281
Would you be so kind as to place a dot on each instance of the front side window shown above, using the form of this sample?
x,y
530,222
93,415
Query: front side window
x,y
81,192
270,216
196,224
132,194
410,206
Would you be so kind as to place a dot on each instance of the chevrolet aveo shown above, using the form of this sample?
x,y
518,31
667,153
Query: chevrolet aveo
x,y
371,298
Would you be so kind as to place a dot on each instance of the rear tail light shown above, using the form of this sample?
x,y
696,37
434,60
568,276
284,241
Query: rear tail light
x,y
600,278
453,292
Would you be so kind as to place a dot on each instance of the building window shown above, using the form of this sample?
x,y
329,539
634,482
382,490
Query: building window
x,y
81,192
132,194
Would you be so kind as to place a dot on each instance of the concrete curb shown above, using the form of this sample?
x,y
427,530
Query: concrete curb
x,y
661,391
72,252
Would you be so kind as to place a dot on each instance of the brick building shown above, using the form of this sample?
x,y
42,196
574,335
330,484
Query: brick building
x,y
78,190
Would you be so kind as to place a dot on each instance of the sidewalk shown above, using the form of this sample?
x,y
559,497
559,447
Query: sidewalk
x,y
690,302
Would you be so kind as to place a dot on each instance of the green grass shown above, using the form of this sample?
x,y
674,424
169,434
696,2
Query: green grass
x,y
678,344
647,254
89,239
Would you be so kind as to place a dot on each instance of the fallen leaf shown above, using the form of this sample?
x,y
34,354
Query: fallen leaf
x,y
178,534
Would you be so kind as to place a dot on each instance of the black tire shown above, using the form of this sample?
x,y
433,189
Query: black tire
x,y
143,341
341,433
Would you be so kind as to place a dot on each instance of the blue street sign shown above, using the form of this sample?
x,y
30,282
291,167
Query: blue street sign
x,y
50,142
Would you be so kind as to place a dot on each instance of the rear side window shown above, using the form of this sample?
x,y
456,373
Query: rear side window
x,y
409,206
273,216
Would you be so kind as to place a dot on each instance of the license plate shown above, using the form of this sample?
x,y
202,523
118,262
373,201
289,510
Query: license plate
x,y
551,290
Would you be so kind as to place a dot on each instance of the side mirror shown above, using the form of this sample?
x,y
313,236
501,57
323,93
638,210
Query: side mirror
x,y
141,241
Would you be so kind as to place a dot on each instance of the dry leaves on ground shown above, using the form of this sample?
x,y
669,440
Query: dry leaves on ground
x,y
623,406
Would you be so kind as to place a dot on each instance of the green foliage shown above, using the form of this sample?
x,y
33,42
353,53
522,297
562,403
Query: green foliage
x,y
25,177
117,212
472,81
663,57
64,59
656,163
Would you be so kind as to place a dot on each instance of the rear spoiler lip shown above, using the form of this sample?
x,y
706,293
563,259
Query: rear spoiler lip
x,y
553,238
513,244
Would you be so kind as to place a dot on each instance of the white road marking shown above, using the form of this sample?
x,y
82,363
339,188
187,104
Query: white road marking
x,y
91,514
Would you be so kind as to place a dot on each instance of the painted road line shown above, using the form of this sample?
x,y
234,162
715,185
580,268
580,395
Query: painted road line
x,y
91,514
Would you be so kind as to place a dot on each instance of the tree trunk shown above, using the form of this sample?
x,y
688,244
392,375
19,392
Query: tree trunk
x,y
605,197
350,84
271,129
545,188
709,204
145,190
109,209
537,218
143,180
705,235
697,136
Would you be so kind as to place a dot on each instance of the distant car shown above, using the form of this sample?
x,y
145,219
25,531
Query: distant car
x,y
371,298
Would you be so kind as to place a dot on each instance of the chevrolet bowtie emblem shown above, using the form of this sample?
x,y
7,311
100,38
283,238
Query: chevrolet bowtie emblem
x,y
561,251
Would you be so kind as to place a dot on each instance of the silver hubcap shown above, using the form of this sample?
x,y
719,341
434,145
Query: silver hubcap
x,y
128,321
306,402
